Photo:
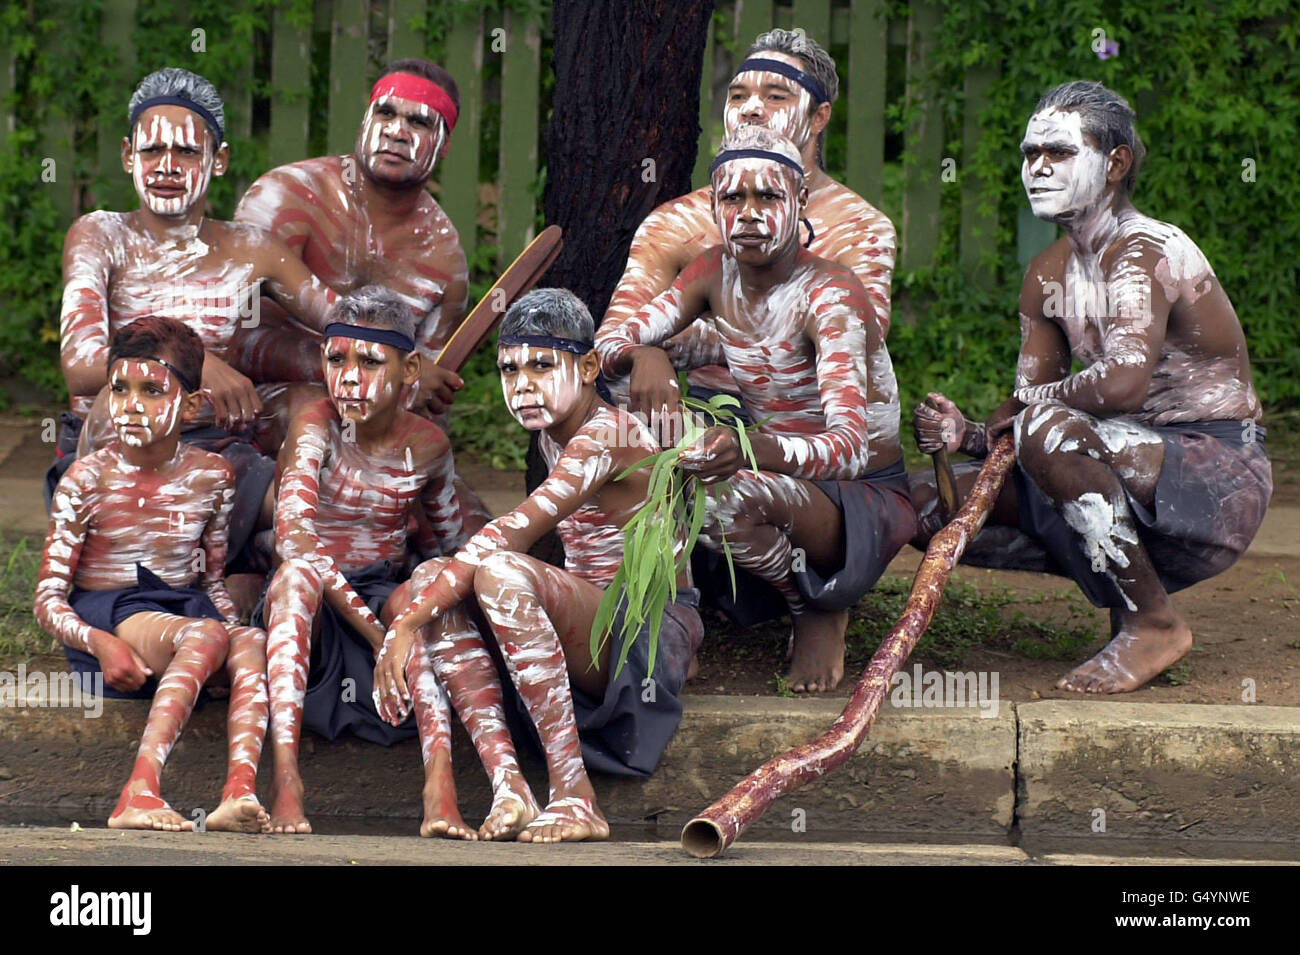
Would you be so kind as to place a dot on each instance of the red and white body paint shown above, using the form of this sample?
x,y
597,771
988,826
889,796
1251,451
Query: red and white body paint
x,y
846,228
156,142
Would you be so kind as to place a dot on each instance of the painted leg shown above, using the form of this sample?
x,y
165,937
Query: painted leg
x,y
200,647
514,592
465,667
240,810
294,598
1084,465
765,517
441,813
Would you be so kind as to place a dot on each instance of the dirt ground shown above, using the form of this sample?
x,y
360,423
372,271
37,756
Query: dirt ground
x,y
1246,621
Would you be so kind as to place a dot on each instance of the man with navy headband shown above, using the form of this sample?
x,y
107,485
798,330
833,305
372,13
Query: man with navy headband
x,y
353,466
367,218
787,83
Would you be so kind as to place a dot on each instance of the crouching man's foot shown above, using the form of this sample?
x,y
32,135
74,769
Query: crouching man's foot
x,y
570,819
817,659
1143,646
513,809
239,814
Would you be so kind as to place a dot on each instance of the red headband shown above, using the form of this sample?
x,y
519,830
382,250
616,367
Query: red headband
x,y
420,90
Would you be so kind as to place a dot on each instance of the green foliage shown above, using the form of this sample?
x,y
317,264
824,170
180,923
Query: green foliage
x,y
970,618
20,635
1211,87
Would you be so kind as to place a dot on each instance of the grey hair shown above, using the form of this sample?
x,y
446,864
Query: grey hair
x,y
817,63
556,312
173,81
375,305
1104,115
760,137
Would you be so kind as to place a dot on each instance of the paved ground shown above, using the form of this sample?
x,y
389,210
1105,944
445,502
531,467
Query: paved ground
x,y
105,847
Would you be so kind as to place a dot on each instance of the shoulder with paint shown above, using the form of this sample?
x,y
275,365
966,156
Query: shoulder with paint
x,y
682,218
843,205
195,460
426,437
1049,265
1167,248
304,182
101,225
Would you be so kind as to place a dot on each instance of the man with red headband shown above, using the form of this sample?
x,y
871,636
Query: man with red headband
x,y
367,219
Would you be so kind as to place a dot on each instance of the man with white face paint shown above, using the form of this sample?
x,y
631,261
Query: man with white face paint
x,y
1146,471
828,507
787,83
368,219
168,258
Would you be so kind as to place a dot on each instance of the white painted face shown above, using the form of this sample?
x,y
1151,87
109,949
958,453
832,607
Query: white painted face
x,y
144,401
172,159
757,207
1064,174
760,98
541,386
362,377
400,140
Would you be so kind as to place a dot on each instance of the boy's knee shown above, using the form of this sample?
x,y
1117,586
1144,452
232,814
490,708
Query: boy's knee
x,y
500,570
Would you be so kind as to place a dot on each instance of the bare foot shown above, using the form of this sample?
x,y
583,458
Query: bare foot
x,y
571,819
513,808
817,663
1140,650
239,814
147,811
287,816
441,815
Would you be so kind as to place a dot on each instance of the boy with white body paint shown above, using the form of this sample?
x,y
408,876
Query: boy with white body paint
x,y
132,574
788,84
352,467
828,508
167,258
1145,472
541,616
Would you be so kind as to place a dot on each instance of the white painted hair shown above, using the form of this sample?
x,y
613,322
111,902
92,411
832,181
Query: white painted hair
x,y
556,312
817,63
760,137
375,305
1105,116
173,81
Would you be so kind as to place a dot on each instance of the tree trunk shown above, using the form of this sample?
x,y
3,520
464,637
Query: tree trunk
x,y
621,139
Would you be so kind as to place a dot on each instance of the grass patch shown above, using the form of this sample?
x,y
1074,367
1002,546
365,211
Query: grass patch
x,y
20,635
970,618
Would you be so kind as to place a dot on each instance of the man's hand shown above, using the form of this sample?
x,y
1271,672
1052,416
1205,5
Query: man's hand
x,y
1003,418
716,456
233,397
437,389
391,695
938,423
655,394
124,669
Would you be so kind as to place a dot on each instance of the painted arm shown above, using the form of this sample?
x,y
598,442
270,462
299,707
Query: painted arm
x,y
214,543
69,517
301,458
294,286
83,323
867,245
666,315
442,506
1117,382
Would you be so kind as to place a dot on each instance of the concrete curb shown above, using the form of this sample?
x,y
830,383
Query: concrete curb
x,y
1157,770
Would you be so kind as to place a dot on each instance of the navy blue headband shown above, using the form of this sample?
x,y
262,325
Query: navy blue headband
x,y
547,341
192,106
562,344
188,385
381,336
729,154
807,81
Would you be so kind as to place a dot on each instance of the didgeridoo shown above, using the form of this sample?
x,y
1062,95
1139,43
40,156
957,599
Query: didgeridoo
x,y
717,827
522,275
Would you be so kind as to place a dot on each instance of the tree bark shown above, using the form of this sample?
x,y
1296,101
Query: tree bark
x,y
621,139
